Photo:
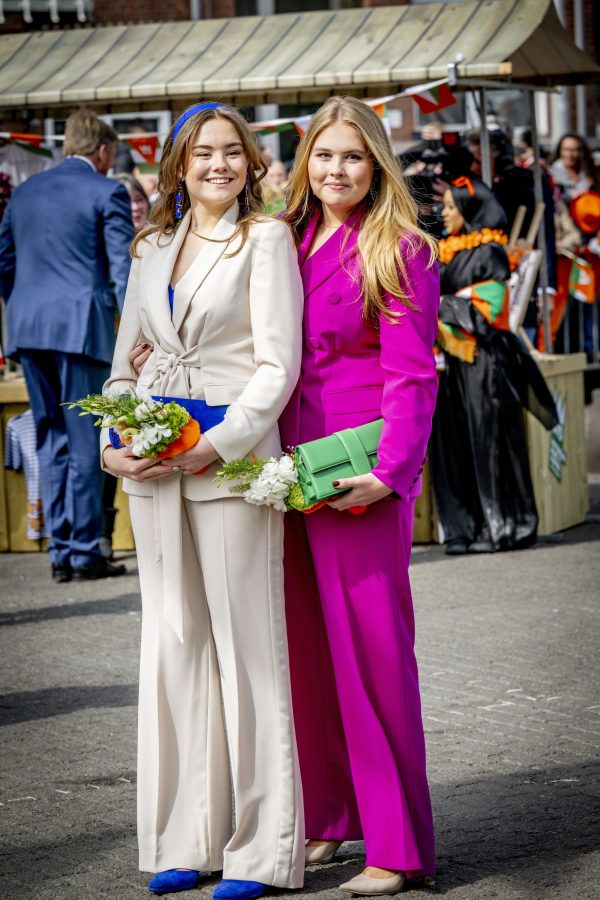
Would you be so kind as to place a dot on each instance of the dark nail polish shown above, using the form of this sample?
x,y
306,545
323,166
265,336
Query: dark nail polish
x,y
145,346
335,483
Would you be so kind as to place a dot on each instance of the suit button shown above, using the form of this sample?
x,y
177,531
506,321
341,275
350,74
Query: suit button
x,y
334,299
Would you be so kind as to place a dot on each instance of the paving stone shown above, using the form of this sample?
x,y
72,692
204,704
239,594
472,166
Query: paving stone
x,y
510,679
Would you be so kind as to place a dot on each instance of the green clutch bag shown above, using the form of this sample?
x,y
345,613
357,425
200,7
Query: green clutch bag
x,y
341,455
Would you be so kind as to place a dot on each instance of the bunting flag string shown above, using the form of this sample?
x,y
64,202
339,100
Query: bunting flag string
x,y
145,151
430,97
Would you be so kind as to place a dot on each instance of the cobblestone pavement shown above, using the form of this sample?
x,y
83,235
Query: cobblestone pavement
x,y
510,672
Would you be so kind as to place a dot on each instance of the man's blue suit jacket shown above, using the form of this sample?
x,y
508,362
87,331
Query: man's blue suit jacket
x,y
64,261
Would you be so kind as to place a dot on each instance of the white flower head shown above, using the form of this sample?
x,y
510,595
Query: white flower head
x,y
147,438
273,485
143,411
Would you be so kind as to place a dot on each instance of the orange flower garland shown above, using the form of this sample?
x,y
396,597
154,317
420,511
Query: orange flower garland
x,y
450,246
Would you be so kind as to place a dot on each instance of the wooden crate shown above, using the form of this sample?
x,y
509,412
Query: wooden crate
x,y
122,534
562,502
424,524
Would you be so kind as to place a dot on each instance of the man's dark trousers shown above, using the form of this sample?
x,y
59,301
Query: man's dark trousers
x,y
67,451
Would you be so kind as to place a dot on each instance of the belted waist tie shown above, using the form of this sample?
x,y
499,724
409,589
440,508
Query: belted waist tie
x,y
172,375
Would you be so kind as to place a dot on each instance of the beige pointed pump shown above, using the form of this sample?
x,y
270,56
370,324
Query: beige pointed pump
x,y
374,887
322,853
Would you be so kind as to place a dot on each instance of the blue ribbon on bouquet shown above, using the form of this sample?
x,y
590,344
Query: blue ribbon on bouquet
x,y
206,416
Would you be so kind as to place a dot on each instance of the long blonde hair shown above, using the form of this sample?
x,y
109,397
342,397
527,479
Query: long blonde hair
x,y
390,211
174,162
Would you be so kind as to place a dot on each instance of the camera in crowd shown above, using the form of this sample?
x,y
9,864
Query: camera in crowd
x,y
438,159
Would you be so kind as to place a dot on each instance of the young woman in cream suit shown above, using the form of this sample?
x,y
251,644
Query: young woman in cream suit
x,y
217,294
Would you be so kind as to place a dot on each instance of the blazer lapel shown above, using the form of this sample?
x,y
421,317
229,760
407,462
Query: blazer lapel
x,y
158,287
332,255
307,238
209,256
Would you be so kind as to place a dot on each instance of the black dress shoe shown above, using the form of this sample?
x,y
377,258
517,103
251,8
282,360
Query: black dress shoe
x,y
61,572
100,569
481,547
456,547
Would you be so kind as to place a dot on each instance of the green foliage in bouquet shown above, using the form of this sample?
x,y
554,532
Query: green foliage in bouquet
x,y
265,482
147,426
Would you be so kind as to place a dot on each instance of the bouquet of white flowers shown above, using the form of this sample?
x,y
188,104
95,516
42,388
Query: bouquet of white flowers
x,y
149,427
266,482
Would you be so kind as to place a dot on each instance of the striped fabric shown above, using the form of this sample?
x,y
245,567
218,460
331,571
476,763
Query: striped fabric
x,y
20,454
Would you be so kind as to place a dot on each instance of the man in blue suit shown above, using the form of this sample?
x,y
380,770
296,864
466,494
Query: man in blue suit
x,y
64,264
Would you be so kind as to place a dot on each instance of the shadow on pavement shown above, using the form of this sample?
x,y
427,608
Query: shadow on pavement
x,y
38,861
516,826
29,705
112,606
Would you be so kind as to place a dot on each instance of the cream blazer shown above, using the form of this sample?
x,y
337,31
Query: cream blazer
x,y
235,337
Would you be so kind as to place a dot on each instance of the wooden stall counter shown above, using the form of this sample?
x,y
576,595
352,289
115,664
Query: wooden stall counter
x,y
13,493
558,458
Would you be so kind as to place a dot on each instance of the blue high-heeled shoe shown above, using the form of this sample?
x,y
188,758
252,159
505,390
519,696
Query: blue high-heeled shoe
x,y
173,880
234,889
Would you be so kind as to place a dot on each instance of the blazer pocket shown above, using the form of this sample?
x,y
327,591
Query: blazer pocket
x,y
354,400
222,394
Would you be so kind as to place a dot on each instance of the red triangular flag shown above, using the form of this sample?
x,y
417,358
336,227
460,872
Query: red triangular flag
x,y
434,99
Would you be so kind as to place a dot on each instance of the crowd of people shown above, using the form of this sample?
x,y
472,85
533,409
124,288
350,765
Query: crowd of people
x,y
571,218
278,330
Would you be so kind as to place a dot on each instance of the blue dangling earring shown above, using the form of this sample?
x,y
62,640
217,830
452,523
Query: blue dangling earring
x,y
179,200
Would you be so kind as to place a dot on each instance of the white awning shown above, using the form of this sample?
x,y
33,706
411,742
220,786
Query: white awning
x,y
290,58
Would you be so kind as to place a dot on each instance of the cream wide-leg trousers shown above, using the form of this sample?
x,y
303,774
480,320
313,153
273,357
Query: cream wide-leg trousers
x,y
234,657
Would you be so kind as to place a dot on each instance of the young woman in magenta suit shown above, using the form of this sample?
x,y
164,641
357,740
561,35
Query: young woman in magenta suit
x,y
215,288
371,289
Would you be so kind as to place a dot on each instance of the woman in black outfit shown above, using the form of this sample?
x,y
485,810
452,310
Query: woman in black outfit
x,y
479,461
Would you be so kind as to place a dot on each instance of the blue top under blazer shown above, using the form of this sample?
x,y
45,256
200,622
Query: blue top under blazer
x,y
64,261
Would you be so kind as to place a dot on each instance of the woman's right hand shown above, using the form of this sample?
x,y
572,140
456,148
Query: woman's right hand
x,y
123,462
139,356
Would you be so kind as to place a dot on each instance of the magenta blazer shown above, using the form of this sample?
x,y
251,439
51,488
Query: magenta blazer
x,y
353,373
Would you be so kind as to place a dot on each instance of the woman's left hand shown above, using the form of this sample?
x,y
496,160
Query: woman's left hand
x,y
198,457
364,490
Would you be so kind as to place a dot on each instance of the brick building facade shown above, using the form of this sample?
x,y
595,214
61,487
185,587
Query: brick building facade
x,y
117,12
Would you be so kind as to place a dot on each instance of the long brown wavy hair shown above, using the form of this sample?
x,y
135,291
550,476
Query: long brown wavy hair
x,y
175,161
390,210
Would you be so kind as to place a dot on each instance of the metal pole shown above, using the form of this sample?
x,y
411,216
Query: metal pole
x,y
195,11
579,35
560,101
486,159
541,236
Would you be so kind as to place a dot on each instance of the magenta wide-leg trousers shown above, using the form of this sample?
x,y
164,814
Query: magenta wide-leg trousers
x,y
355,686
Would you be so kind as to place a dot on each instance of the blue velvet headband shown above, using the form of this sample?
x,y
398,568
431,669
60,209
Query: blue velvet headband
x,y
192,112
